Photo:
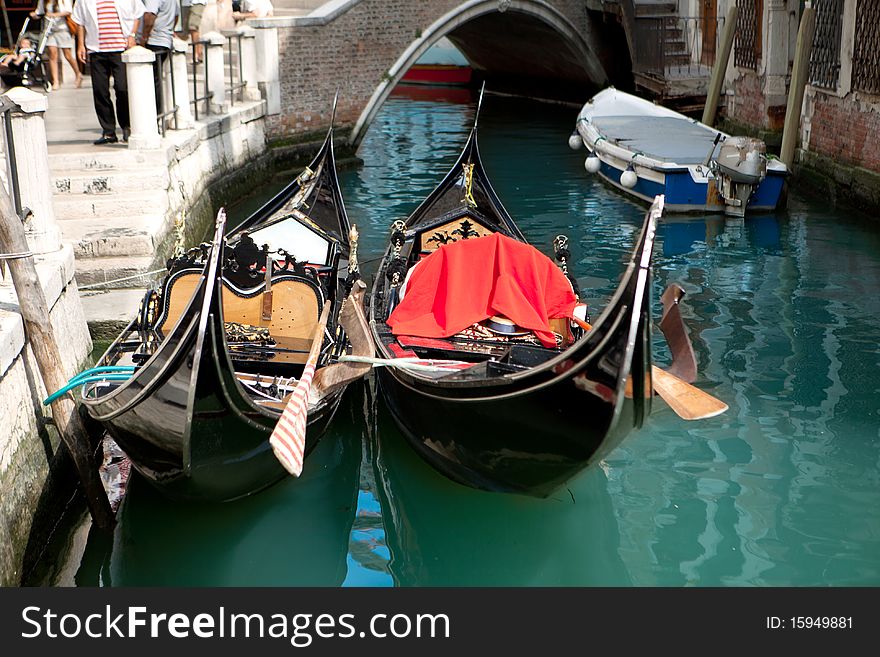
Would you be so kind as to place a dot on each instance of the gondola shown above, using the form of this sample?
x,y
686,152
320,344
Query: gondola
x,y
193,387
489,409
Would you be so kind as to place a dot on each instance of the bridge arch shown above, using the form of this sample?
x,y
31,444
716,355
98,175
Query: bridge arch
x,y
460,23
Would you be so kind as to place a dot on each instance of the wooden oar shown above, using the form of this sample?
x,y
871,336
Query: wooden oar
x,y
688,402
288,439
357,330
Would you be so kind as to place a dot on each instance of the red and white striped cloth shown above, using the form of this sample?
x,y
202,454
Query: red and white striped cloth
x,y
110,36
288,440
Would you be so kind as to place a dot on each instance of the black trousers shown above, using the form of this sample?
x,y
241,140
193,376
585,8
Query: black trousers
x,y
103,66
161,55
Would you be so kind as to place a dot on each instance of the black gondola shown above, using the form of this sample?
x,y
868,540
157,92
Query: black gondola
x,y
217,347
521,417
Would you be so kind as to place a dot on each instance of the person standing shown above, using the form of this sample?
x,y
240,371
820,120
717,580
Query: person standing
x,y
159,19
59,37
105,28
253,9
191,12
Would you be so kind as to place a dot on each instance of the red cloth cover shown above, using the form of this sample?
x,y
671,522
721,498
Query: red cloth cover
x,y
467,281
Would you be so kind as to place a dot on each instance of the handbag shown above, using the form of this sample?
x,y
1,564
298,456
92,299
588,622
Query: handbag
x,y
71,25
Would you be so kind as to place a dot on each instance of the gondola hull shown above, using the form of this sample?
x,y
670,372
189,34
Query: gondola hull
x,y
531,443
532,432
215,354
228,440
503,415
184,421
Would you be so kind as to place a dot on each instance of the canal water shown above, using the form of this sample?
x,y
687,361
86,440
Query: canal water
x,y
781,490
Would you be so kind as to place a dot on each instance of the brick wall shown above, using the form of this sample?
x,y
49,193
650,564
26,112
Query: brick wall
x,y
748,106
846,130
355,52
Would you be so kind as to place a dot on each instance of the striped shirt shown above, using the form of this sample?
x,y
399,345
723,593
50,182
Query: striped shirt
x,y
110,36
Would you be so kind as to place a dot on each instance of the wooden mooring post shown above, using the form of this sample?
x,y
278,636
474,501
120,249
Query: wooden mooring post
x,y
799,74
41,337
723,57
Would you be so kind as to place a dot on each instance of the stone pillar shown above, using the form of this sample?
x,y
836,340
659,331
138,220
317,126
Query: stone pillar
x,y
181,85
214,58
847,47
141,98
249,62
776,63
268,77
32,165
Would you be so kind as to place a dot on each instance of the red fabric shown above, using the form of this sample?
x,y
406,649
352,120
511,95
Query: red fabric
x,y
468,281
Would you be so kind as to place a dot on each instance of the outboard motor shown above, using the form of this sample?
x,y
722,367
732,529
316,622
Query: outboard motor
x,y
739,168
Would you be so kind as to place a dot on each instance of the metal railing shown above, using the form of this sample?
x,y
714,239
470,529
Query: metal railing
x,y
235,63
196,99
677,46
12,184
162,113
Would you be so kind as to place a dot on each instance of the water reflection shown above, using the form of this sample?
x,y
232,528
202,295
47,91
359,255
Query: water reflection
x,y
294,534
783,489
440,533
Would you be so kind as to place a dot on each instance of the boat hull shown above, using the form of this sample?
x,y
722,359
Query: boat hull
x,y
189,429
529,443
686,193
670,154
184,418
438,74
518,418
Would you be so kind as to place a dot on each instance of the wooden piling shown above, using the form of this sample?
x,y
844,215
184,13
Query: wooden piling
x,y
41,337
720,68
799,73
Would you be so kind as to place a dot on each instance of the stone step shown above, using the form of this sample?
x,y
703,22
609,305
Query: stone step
x,y
109,206
108,313
645,8
116,272
109,158
72,182
125,235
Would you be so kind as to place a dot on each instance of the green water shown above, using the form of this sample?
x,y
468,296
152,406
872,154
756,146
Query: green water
x,y
783,489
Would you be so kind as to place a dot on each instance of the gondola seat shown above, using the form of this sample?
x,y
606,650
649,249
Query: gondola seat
x,y
296,307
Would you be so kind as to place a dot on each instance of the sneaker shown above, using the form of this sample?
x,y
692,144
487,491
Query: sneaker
x,y
126,132
109,138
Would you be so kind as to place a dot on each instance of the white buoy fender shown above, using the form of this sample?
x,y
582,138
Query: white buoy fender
x,y
592,164
629,179
575,141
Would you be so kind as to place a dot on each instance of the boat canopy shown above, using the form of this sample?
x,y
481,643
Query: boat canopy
x,y
677,140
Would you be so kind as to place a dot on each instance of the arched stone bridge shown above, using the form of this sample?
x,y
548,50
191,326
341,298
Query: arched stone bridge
x,y
363,47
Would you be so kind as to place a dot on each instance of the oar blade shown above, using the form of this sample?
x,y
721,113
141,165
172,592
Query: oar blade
x,y
688,402
288,439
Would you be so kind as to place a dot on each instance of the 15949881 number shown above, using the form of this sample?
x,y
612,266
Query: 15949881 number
x,y
821,622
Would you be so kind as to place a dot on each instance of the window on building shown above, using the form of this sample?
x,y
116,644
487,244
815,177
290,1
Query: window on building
x,y
747,45
825,56
866,49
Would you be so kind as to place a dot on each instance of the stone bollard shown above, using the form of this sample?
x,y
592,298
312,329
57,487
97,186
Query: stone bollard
x,y
185,118
268,78
32,168
216,71
249,62
141,98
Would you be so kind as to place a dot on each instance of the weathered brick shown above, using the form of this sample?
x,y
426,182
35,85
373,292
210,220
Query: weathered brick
x,y
356,51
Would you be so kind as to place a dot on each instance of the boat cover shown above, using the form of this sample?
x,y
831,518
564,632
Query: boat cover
x,y
666,138
468,281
